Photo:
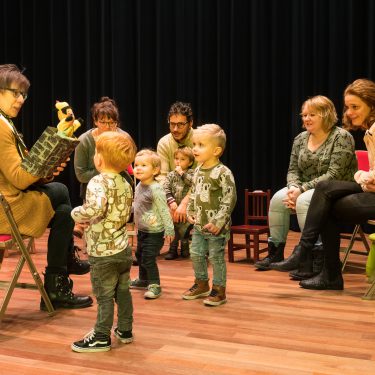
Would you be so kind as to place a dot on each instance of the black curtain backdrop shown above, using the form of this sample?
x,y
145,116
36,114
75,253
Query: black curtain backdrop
x,y
245,64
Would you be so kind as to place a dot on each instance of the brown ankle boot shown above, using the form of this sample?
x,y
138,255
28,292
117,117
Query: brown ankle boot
x,y
217,296
199,289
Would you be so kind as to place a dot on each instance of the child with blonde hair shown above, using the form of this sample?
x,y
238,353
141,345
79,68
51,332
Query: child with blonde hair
x,y
212,200
176,186
153,222
105,212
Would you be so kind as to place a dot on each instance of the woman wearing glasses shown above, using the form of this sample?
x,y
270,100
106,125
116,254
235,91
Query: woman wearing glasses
x,y
36,204
322,152
106,117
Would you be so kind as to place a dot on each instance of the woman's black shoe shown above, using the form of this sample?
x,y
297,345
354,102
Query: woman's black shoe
x,y
59,289
290,263
322,282
275,254
75,265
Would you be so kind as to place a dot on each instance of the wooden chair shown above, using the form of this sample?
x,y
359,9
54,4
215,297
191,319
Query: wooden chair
x,y
358,234
257,203
24,244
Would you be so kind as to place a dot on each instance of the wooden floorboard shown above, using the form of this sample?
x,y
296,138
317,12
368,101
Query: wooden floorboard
x,y
268,326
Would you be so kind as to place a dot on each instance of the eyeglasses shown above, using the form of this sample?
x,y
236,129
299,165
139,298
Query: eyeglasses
x,y
108,124
16,93
179,125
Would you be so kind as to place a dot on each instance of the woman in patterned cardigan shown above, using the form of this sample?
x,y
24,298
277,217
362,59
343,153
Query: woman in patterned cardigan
x,y
334,202
322,152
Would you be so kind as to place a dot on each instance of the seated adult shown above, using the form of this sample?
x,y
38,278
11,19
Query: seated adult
x,y
106,117
322,152
36,204
180,120
335,202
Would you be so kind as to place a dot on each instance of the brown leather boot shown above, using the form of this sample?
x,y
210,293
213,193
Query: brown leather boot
x,y
217,296
199,289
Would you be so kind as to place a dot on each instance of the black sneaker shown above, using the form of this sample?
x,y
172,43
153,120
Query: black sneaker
x,y
92,342
126,337
138,284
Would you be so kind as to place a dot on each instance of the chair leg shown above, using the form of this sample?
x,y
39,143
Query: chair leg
x,y
350,246
38,281
11,286
247,240
256,248
370,292
25,258
364,239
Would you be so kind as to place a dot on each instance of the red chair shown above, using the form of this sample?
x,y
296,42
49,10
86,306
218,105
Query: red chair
x,y
257,203
358,234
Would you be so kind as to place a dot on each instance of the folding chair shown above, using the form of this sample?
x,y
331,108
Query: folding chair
x,y
257,203
24,244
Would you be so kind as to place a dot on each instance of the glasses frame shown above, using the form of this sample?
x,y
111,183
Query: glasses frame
x,y
180,125
108,124
16,93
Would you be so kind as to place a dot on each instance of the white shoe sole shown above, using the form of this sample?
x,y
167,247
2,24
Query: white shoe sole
x,y
210,303
205,294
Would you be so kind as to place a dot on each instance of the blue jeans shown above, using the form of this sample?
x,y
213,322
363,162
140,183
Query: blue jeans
x,y
214,246
110,279
148,248
60,239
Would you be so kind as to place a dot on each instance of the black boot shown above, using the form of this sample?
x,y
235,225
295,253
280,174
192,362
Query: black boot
x,y
305,267
275,254
288,264
318,259
185,252
75,265
59,290
310,266
172,253
325,280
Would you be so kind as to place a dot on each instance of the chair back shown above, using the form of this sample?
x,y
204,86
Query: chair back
x,y
257,203
362,159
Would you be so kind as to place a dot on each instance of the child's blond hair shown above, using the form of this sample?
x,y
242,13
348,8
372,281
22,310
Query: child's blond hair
x,y
117,149
153,157
216,134
186,151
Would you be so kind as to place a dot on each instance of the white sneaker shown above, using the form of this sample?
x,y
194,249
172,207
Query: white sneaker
x,y
154,291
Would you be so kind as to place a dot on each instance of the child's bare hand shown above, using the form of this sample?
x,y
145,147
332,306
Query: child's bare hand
x,y
191,219
169,238
179,170
212,228
173,206
180,214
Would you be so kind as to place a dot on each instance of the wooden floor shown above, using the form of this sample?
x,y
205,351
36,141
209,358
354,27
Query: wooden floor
x,y
268,326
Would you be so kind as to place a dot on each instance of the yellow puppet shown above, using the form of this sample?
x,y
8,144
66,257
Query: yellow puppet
x,y
68,123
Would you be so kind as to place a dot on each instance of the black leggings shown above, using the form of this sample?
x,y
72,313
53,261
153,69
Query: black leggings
x,y
60,240
332,203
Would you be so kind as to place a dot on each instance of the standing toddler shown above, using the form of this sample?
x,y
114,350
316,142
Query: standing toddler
x,y
212,200
153,222
104,213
